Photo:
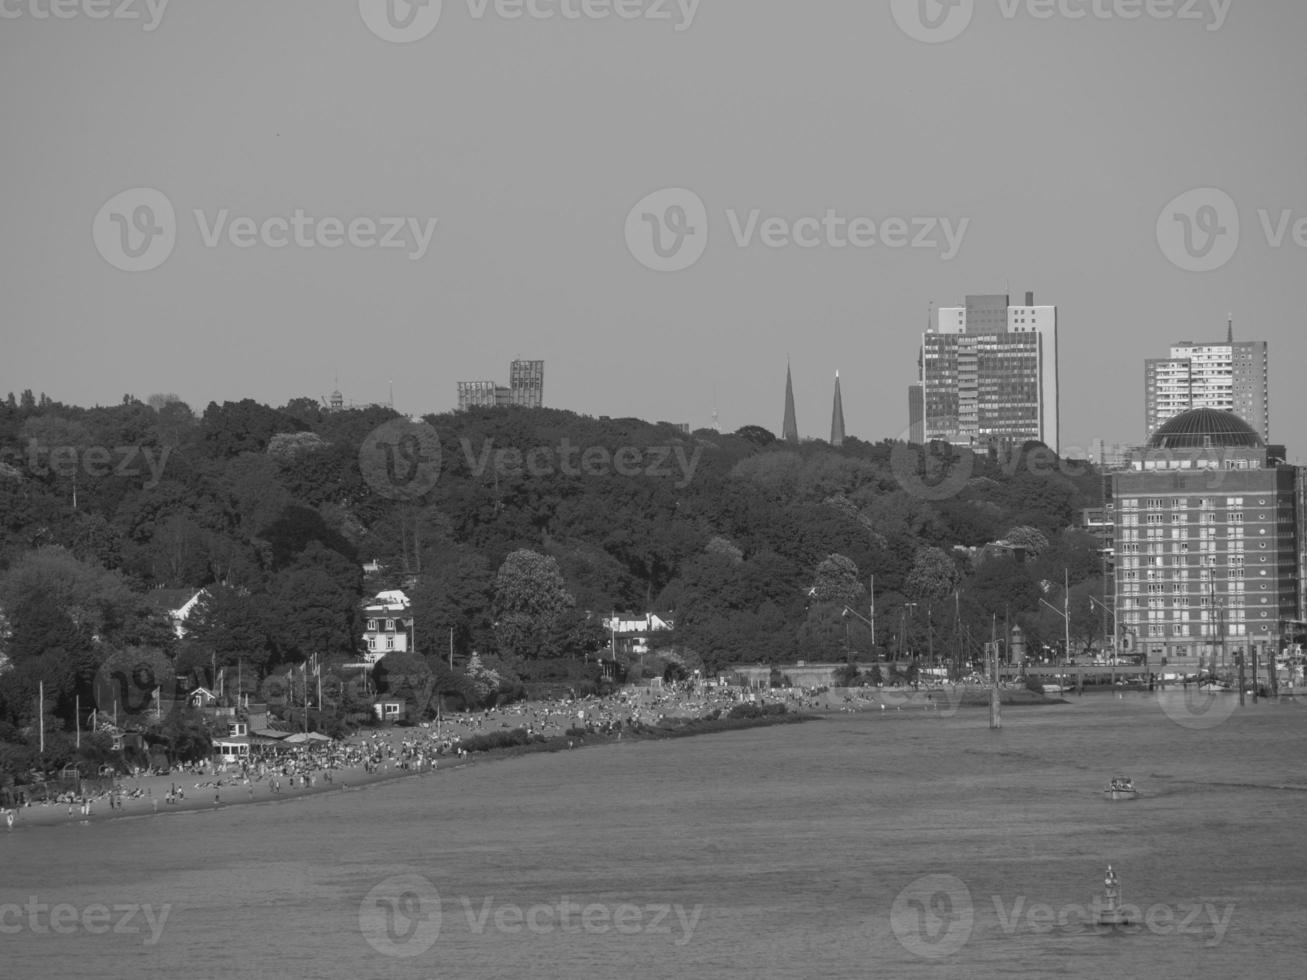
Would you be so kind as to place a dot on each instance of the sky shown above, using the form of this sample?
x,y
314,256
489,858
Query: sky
x,y
271,200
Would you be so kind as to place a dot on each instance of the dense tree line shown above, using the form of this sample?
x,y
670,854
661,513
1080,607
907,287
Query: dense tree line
x,y
539,524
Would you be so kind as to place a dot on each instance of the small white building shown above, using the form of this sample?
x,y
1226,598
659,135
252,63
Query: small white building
x,y
388,626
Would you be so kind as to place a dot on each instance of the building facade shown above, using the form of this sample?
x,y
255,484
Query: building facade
x,y
1206,538
1230,377
989,375
526,389
388,626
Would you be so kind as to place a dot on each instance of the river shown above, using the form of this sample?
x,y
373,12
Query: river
x,y
897,844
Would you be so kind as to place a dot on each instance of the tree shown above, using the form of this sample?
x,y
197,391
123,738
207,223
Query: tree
x,y
530,600
836,581
934,575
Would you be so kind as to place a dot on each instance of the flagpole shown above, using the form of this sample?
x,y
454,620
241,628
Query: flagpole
x,y
40,711
77,717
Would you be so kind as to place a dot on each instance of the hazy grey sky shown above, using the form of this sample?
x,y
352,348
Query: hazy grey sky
x,y
1053,143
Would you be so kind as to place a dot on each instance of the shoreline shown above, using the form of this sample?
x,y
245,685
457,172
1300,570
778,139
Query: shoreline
x,y
198,791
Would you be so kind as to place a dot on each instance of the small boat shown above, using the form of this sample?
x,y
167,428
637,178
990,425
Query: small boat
x,y
1121,788
1110,911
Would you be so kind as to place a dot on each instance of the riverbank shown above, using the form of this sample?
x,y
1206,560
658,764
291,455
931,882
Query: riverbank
x,y
149,796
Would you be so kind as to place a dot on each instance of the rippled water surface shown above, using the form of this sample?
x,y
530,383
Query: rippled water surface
x,y
900,844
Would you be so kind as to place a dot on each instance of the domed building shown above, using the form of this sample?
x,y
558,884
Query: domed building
x,y
1206,428
1208,523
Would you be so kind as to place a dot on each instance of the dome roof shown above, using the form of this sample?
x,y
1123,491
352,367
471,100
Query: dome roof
x,y
1201,428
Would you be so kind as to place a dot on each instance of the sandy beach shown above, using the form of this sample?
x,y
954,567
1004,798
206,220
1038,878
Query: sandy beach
x,y
425,751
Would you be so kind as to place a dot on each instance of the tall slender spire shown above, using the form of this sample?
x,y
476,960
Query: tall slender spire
x,y
790,427
837,416
1229,335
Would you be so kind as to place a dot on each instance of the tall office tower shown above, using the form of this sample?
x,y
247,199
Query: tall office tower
x,y
1229,377
1208,541
789,427
837,416
988,374
526,388
526,381
916,415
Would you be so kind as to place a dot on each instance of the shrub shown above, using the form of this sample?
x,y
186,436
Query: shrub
x,y
1035,684
496,740
756,710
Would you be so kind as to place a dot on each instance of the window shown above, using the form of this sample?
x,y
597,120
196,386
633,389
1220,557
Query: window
x,y
372,625
390,626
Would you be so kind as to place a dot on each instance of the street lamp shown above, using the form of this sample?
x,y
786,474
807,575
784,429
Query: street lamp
x,y
1065,613
847,648
1111,612
903,617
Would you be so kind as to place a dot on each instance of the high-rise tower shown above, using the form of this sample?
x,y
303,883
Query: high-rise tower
x,y
1230,376
988,374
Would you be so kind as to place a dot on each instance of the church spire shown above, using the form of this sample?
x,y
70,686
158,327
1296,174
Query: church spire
x,y
790,428
837,416
1229,334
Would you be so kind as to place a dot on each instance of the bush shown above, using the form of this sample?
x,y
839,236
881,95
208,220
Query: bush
x,y
756,710
1035,684
496,740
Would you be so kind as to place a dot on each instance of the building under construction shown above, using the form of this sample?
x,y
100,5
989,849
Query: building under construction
x,y
526,388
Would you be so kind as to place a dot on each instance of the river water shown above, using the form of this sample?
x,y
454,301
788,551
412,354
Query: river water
x,y
906,843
